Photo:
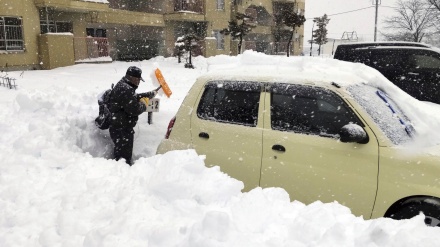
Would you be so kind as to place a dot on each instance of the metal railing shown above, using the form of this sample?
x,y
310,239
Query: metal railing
x,y
11,34
185,5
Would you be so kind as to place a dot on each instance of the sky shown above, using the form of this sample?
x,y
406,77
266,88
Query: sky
x,y
57,187
348,16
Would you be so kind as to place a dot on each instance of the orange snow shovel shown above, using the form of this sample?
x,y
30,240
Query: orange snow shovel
x,y
162,82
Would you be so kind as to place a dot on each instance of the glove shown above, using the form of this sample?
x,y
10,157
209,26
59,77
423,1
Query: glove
x,y
145,101
154,93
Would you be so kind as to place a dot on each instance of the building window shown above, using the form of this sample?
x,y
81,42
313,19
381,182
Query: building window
x,y
55,27
220,40
64,27
47,23
220,4
11,34
96,32
252,13
47,27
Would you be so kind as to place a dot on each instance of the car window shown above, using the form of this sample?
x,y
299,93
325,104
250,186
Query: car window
x,y
360,55
389,59
310,110
384,112
230,102
424,61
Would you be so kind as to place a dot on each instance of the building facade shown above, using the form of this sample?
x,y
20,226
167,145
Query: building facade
x,y
45,34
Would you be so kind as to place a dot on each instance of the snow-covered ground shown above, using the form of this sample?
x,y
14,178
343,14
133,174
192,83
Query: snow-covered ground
x,y
58,189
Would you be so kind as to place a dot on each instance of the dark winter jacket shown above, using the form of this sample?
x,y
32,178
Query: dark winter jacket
x,y
125,105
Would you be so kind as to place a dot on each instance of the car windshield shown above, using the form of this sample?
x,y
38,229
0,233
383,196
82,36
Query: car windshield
x,y
384,112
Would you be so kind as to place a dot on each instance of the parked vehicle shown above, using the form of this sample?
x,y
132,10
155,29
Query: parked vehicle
x,y
414,67
316,138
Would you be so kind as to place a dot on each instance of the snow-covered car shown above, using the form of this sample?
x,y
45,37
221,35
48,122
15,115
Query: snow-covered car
x,y
322,131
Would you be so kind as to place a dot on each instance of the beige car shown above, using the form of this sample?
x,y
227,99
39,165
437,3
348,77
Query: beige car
x,y
317,139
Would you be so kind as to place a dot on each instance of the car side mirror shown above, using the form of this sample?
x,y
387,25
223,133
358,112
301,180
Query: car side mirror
x,y
353,133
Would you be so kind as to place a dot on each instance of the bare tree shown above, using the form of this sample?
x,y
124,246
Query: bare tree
x,y
434,3
414,19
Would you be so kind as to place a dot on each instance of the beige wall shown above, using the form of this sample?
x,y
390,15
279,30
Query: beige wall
x,y
218,20
131,18
77,13
27,59
56,50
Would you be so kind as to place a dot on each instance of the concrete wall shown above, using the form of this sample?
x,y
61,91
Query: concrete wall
x,y
56,50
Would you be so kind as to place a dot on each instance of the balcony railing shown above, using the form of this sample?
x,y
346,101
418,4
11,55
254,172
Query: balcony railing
x,y
189,5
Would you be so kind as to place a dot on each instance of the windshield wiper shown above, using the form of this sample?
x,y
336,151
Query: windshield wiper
x,y
408,128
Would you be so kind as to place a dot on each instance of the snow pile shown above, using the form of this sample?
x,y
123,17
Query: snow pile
x,y
58,189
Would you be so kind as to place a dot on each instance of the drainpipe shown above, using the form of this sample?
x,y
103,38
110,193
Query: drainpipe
x,y
47,20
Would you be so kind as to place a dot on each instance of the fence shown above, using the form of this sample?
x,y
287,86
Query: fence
x,y
8,82
91,47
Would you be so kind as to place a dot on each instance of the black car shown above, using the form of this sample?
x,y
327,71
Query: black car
x,y
414,67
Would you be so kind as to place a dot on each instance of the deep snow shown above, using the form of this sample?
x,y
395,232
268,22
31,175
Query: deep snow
x,y
58,189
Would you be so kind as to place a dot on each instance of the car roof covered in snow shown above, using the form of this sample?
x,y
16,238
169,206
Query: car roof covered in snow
x,y
253,66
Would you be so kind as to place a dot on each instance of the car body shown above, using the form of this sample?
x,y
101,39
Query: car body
x,y
413,67
313,136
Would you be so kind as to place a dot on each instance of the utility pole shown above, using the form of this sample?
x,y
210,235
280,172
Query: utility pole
x,y
375,21
311,40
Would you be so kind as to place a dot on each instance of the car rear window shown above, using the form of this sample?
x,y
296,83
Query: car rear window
x,y
230,102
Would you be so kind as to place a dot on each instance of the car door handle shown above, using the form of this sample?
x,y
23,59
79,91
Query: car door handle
x,y
204,135
280,148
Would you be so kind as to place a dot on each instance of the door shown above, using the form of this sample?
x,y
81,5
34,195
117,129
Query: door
x,y
302,153
226,129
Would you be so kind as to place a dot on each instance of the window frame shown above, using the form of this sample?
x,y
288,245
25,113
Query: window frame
x,y
220,38
220,5
63,24
96,32
16,29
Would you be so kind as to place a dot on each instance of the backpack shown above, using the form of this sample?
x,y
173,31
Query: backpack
x,y
104,117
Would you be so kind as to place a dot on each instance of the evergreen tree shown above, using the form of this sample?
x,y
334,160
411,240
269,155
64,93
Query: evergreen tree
x,y
179,48
278,33
292,20
187,43
320,34
239,30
